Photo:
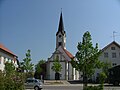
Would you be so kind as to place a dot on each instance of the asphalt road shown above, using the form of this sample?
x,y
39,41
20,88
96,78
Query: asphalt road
x,y
62,88
74,87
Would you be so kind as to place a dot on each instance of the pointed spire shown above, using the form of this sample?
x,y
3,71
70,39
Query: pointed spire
x,y
61,26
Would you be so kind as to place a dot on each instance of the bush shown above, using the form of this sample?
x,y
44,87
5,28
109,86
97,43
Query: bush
x,y
1,81
14,81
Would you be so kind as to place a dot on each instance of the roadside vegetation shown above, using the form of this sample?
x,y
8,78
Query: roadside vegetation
x,y
40,70
13,78
10,79
87,61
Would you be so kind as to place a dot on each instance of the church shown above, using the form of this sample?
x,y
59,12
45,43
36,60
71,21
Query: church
x,y
67,72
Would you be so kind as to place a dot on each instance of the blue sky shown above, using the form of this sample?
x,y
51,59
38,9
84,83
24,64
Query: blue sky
x,y
32,24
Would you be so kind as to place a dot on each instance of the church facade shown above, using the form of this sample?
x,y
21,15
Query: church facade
x,y
67,72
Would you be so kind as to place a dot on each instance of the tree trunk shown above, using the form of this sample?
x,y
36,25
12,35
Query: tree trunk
x,y
85,80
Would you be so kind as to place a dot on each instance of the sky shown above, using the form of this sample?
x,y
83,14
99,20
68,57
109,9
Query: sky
x,y
32,24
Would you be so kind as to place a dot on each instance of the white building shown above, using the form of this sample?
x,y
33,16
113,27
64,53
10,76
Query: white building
x,y
67,73
110,53
6,56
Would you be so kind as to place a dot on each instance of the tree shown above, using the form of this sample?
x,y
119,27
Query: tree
x,y
87,57
104,74
9,68
11,79
40,69
107,64
28,66
57,67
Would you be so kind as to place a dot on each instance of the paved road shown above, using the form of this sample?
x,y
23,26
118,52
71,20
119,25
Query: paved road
x,y
73,87
76,87
62,88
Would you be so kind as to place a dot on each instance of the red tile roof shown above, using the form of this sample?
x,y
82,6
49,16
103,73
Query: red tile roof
x,y
68,53
5,49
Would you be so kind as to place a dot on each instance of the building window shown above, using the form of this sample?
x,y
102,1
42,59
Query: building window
x,y
112,48
114,55
60,43
114,64
106,55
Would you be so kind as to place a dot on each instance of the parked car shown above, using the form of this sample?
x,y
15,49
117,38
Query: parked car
x,y
32,83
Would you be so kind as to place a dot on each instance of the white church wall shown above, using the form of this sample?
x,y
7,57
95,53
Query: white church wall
x,y
70,71
63,75
52,73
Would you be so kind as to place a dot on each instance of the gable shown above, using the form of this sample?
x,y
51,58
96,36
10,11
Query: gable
x,y
55,54
63,55
112,44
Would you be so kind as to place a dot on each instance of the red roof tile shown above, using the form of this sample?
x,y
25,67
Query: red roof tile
x,y
5,49
68,53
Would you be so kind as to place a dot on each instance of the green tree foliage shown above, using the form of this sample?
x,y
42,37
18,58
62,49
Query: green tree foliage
x,y
104,74
27,65
107,64
1,81
10,79
9,68
40,69
87,57
57,67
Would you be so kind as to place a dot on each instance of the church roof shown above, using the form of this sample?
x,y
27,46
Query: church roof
x,y
2,47
68,53
61,26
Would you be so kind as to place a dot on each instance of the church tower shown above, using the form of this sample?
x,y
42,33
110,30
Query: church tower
x,y
64,56
61,35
